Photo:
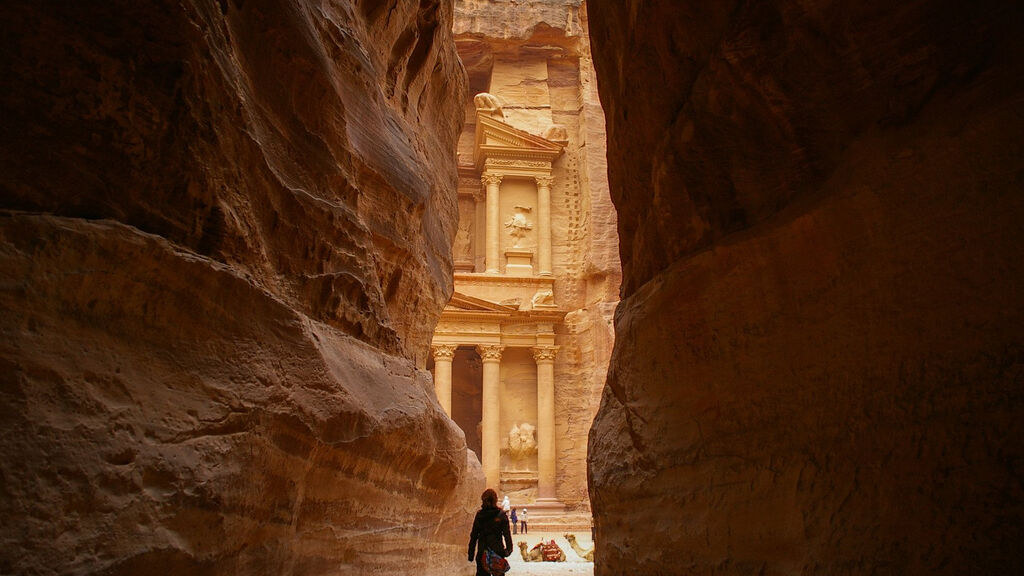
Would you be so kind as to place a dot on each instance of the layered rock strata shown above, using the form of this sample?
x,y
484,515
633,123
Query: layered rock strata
x,y
817,363
225,240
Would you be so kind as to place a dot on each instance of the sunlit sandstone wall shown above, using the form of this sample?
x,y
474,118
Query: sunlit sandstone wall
x,y
225,241
818,364
535,56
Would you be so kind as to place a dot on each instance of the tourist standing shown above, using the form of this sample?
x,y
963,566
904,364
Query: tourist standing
x,y
522,521
514,520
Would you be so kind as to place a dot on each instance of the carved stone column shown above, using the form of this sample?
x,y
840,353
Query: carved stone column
x,y
493,182
545,358
491,415
544,224
443,355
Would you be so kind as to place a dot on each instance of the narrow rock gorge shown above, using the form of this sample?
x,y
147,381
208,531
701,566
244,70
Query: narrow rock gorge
x,y
225,239
818,364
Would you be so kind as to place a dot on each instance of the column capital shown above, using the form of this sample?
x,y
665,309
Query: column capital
x,y
490,352
544,353
490,178
545,181
480,195
443,351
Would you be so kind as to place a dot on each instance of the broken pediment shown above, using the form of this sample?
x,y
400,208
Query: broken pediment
x,y
501,144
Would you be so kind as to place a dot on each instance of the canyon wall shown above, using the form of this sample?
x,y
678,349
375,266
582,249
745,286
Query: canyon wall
x,y
224,241
818,363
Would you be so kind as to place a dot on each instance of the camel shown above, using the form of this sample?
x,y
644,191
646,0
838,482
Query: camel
x,y
587,555
536,554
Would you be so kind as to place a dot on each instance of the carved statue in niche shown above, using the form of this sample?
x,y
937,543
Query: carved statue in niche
x,y
462,249
522,441
518,225
489,104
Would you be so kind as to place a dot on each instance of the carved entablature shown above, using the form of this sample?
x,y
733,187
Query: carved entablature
x,y
477,322
468,186
518,329
500,164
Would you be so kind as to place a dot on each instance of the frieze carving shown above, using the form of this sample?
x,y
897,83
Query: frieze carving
x,y
491,178
505,281
490,352
444,351
466,328
517,163
544,353
518,329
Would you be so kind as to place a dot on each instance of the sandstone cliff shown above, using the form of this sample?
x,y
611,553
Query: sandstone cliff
x,y
818,362
225,242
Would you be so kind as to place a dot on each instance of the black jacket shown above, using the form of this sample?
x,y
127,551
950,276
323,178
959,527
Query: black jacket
x,y
490,527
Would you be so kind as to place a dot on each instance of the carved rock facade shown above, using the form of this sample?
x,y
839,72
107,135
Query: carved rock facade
x,y
225,243
817,365
536,257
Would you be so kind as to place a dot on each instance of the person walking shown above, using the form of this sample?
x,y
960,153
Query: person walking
x,y
515,521
522,521
490,532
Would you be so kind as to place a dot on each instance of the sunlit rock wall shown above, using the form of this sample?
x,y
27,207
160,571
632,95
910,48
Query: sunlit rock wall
x,y
818,361
225,240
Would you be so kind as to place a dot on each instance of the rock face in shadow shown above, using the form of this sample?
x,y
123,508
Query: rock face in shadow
x,y
224,243
818,363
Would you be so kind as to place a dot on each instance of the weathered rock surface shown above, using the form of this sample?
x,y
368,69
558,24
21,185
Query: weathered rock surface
x,y
225,242
818,362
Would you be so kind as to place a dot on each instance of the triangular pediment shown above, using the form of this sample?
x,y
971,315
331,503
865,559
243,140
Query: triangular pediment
x,y
461,301
495,138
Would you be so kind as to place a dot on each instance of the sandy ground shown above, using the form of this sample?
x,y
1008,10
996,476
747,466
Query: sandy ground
x,y
573,564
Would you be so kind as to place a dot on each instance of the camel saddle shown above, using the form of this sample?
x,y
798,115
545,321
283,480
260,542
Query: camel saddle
x,y
549,551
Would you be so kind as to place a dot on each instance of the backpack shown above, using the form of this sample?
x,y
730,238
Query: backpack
x,y
494,563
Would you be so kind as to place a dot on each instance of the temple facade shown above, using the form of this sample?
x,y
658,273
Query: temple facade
x,y
521,350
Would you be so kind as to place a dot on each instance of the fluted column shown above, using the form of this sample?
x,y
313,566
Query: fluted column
x,y
493,183
544,224
545,358
443,355
491,415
